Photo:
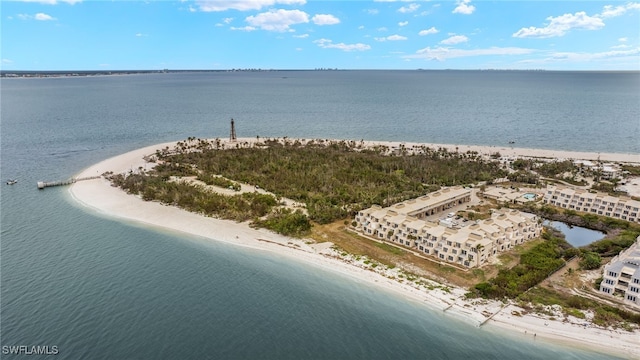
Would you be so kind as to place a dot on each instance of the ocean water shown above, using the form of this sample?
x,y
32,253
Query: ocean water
x,y
104,289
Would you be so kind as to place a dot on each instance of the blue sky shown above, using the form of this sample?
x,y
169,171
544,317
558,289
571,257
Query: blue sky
x,y
308,34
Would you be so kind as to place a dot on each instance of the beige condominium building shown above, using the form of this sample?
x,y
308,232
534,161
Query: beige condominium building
x,y
593,202
621,276
469,246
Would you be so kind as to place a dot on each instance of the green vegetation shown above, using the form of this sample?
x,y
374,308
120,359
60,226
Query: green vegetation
x,y
575,218
604,315
608,187
390,248
590,260
555,168
525,177
333,179
241,207
523,164
535,265
219,181
611,246
286,222
631,169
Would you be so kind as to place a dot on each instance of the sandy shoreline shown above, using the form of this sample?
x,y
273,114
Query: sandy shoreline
x,y
506,151
100,196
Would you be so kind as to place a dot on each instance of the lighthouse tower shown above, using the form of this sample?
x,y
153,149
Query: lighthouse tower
x,y
232,136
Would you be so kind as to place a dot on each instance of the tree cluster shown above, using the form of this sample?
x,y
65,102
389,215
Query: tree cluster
x,y
240,207
336,179
333,179
535,265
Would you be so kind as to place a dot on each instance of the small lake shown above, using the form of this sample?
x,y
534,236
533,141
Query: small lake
x,y
576,235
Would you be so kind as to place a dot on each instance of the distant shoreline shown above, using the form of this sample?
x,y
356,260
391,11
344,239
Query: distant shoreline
x,y
98,195
88,73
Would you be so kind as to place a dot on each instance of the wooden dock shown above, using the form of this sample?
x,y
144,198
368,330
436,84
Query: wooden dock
x,y
43,184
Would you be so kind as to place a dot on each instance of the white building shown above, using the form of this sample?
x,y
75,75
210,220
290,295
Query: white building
x,y
470,246
596,203
622,275
608,171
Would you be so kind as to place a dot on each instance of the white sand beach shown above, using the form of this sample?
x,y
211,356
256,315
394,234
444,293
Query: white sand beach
x,y
513,152
98,195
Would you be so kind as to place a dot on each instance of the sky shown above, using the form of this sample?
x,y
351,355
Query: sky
x,y
309,34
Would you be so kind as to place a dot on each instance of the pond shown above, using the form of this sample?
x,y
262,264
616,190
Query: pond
x,y
576,235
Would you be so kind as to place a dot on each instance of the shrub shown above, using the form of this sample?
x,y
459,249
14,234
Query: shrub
x,y
590,260
286,222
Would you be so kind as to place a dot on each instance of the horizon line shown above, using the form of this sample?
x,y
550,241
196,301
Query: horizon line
x,y
3,71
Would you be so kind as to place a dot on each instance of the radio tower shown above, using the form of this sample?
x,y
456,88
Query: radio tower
x,y
232,137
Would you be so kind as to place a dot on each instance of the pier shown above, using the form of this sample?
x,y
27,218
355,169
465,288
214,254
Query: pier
x,y
43,184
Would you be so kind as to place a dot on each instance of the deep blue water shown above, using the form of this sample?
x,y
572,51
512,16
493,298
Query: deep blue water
x,y
104,289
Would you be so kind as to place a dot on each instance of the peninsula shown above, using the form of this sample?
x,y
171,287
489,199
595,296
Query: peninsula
x,y
316,247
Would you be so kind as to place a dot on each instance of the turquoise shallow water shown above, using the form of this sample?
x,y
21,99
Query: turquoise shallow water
x,y
104,289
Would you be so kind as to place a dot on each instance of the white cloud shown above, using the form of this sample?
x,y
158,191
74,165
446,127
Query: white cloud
x,y
391,38
429,31
464,7
372,11
609,11
621,46
396,38
360,27
278,20
7,61
558,26
409,9
573,56
242,5
382,29
244,28
623,39
38,16
301,36
141,35
455,39
227,20
444,53
403,23
53,2
325,19
328,44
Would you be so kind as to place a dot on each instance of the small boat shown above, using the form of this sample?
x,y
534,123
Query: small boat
x,y
11,181
512,142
